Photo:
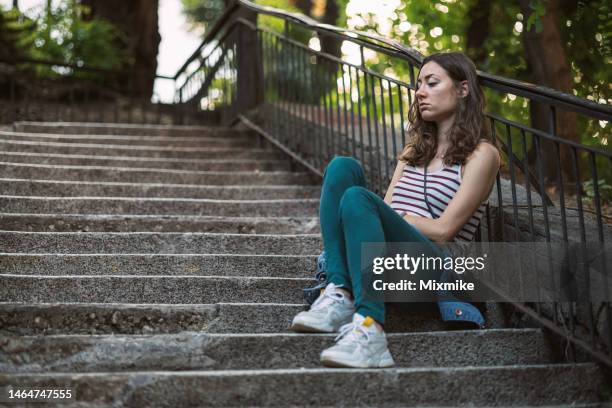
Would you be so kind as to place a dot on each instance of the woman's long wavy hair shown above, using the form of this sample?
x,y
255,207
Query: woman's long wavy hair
x,y
469,127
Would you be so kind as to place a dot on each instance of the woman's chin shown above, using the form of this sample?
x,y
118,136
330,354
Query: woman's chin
x,y
428,116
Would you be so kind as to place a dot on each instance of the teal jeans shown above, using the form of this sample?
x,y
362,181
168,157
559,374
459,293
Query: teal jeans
x,y
351,215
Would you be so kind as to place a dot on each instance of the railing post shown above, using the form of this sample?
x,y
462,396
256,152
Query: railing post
x,y
249,65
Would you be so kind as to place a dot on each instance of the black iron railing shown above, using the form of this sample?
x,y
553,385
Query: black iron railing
x,y
315,105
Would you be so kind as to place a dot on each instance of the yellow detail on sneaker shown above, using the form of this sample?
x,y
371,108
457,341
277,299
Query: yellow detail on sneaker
x,y
368,321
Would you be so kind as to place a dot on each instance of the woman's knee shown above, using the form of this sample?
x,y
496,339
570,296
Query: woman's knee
x,y
354,200
342,167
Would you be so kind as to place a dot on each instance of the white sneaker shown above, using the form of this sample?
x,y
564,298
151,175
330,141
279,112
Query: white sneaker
x,y
328,313
360,345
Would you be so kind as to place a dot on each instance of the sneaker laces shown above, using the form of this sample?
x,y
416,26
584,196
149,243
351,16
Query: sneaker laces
x,y
329,296
352,331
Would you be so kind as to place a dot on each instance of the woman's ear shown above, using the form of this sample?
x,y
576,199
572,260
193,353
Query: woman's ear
x,y
463,89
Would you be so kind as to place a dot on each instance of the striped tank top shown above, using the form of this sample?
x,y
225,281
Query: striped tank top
x,y
442,185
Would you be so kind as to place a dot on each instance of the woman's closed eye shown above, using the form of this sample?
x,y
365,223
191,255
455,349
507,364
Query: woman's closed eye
x,y
430,84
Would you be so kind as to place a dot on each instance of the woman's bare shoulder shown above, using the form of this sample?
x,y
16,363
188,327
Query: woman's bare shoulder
x,y
485,151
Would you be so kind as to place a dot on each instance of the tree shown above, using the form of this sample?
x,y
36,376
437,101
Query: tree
x,y
137,20
16,33
478,30
561,44
549,64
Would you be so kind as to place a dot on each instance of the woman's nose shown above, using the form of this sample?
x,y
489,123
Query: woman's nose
x,y
420,93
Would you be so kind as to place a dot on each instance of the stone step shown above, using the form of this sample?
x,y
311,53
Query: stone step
x,y
150,175
256,265
135,161
210,351
154,223
92,128
16,186
199,153
150,289
159,206
157,243
106,318
527,385
178,141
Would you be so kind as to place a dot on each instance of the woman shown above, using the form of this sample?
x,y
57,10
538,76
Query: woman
x,y
449,140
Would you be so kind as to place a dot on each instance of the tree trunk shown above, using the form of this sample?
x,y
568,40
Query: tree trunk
x,y
478,30
547,59
329,44
137,19
16,4
305,6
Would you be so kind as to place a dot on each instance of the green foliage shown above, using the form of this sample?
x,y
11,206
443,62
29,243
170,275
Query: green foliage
x,y
17,32
202,12
433,26
65,34
274,23
604,189
538,11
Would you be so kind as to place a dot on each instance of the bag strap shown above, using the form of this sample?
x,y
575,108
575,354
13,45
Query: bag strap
x,y
425,192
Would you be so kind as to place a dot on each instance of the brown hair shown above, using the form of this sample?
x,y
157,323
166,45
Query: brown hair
x,y
470,125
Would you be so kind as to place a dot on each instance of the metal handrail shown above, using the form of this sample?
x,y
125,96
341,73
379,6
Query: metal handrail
x,y
311,131
394,48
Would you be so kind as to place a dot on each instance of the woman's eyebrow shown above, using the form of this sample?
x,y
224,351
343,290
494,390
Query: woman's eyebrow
x,y
426,77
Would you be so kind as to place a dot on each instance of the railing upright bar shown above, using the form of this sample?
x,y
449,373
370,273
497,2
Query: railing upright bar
x,y
378,165
587,274
305,94
360,117
512,183
384,135
525,166
367,105
307,135
326,111
285,92
321,113
353,141
334,73
345,109
600,236
314,110
277,106
596,196
393,135
400,103
288,83
500,206
331,81
291,95
515,217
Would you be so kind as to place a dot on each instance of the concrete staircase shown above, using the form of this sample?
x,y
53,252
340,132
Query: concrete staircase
x,y
161,266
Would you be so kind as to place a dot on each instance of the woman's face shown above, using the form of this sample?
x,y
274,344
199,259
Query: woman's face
x,y
436,93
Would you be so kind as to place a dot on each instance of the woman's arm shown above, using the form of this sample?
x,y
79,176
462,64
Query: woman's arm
x,y
477,181
396,176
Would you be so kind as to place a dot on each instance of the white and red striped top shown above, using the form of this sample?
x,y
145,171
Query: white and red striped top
x,y
442,185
